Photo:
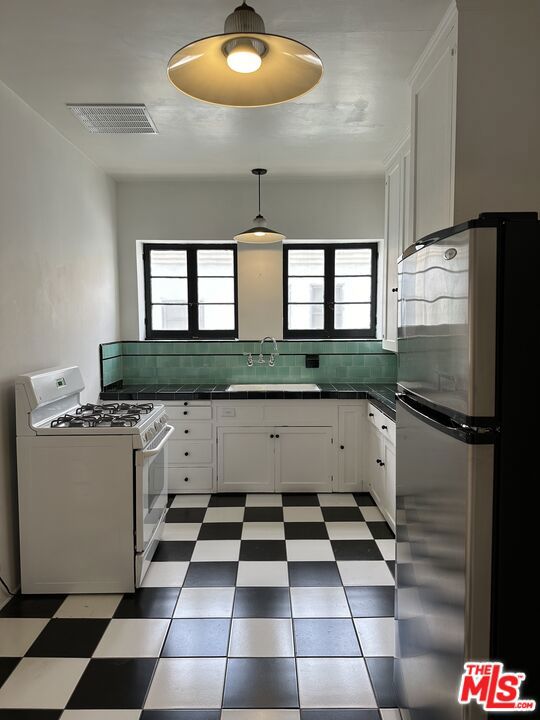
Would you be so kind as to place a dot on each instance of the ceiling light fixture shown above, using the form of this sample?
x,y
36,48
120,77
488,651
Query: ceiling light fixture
x,y
260,233
245,66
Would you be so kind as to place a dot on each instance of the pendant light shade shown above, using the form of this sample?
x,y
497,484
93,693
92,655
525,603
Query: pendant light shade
x,y
260,232
245,66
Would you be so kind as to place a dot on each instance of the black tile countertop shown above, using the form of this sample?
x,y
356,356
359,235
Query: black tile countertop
x,y
383,396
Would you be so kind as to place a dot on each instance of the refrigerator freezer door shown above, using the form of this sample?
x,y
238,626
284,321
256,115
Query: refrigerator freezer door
x,y
444,506
447,323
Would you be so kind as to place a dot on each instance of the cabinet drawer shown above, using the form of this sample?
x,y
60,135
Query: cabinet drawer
x,y
189,452
190,479
192,430
384,425
190,412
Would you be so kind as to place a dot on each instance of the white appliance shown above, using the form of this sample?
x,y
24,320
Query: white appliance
x,y
92,486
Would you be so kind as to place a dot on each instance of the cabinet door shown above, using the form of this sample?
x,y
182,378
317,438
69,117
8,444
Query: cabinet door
x,y
350,448
246,459
304,459
374,471
393,241
389,503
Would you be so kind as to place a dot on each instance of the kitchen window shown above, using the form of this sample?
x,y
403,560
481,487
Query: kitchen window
x,y
330,291
190,291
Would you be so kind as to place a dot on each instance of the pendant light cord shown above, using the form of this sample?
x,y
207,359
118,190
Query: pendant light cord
x,y
259,195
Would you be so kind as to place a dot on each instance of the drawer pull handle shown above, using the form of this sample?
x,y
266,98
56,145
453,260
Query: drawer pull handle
x,y
186,453
186,412
186,432
394,289
186,479
186,403
342,447
384,427
371,415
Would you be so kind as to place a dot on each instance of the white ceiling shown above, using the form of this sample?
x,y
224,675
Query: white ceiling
x,y
59,51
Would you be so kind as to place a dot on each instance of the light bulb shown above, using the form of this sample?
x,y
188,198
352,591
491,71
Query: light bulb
x,y
244,59
260,234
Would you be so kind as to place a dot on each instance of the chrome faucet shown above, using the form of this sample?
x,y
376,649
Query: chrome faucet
x,y
273,354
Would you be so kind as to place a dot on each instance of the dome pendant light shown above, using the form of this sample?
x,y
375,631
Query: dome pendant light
x,y
260,233
245,66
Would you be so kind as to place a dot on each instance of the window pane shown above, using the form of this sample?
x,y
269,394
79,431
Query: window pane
x,y
168,262
306,317
306,262
306,289
216,290
169,317
352,289
215,262
352,317
356,261
169,290
216,317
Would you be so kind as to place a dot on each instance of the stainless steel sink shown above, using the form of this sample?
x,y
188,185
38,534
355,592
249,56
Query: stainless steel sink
x,y
269,387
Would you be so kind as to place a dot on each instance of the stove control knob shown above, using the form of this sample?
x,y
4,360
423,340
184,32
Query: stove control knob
x,y
156,426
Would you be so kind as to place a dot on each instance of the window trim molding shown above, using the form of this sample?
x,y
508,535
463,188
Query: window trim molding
x,y
191,333
329,277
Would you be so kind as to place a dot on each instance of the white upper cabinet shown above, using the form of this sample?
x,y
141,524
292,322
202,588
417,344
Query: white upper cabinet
x,y
433,131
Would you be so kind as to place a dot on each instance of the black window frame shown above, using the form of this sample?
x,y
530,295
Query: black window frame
x,y
193,332
329,332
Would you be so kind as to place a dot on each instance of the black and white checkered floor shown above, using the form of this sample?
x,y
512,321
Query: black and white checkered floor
x,y
256,607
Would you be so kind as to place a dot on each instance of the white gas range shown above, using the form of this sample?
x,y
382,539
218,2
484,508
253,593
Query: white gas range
x,y
92,486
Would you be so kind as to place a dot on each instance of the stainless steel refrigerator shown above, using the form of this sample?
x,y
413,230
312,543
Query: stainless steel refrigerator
x,y
466,459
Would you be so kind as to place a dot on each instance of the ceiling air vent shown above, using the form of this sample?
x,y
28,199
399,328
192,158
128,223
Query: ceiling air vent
x,y
106,118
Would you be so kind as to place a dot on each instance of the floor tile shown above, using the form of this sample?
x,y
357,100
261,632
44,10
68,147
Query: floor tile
x,y
220,531
314,574
205,602
342,514
264,573
88,606
325,637
148,603
228,500
211,574
262,602
165,574
377,636
132,638
263,531
68,638
372,514
180,531
391,564
371,601
197,637
381,671
174,551
302,514
348,531
258,550
224,514
32,606
41,683
30,714
387,548
182,501
364,499
7,665
309,550
337,500
101,715
185,515
334,683
264,500
305,531
181,715
216,550
18,633
109,684
365,572
261,637
319,602
356,550
299,499
261,683
263,514
334,714
260,715
380,530
187,683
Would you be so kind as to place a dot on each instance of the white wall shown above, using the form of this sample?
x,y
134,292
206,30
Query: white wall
x,y
333,209
58,274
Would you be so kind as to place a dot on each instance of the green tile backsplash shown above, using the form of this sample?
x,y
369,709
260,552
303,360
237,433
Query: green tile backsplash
x,y
149,362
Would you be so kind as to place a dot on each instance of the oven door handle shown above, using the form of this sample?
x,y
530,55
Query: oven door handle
x,y
158,449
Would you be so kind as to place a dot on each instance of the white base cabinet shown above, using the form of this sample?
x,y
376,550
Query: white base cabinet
x,y
303,459
380,462
350,447
246,459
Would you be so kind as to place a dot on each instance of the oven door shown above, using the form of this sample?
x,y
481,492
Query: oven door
x,y
151,492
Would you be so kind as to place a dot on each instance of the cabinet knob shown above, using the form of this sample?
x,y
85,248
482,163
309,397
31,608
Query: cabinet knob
x,y
394,289
186,453
186,403
186,432
381,463
186,479
342,447
371,414
271,436
186,412
384,427
277,436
